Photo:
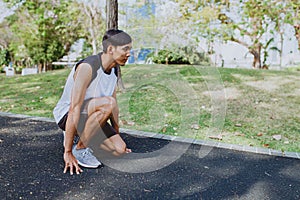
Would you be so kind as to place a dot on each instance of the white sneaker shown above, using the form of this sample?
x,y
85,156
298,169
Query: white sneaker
x,y
85,157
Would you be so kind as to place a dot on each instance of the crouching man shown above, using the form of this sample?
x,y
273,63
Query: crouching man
x,y
89,101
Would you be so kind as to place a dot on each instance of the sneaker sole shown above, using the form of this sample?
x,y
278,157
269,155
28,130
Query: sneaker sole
x,y
88,166
85,165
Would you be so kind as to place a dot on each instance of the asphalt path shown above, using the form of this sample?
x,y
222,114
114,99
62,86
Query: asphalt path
x,y
31,167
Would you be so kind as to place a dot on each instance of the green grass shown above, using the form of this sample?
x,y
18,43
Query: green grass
x,y
246,107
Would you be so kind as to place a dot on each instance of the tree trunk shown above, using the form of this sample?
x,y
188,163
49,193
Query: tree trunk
x,y
112,23
256,52
281,49
67,47
40,68
111,14
44,67
88,11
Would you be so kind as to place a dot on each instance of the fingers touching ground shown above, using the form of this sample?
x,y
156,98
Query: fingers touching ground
x,y
71,163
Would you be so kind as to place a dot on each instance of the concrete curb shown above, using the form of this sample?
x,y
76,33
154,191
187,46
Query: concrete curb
x,y
257,150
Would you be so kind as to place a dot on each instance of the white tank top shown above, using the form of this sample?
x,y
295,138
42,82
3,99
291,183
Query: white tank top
x,y
102,85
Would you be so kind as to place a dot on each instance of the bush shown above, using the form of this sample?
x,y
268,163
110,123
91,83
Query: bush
x,y
54,67
168,57
194,57
184,55
18,69
2,69
4,57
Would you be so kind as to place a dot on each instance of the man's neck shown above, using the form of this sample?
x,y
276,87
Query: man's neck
x,y
107,62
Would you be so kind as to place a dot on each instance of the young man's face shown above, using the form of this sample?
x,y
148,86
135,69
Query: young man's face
x,y
122,53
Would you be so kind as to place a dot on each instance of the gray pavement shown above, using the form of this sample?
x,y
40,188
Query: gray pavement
x,y
31,167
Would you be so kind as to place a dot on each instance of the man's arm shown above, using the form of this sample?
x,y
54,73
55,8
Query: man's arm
x,y
82,78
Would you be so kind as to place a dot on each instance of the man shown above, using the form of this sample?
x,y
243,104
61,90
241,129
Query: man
x,y
89,101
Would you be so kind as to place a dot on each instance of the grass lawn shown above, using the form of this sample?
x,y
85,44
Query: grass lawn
x,y
238,106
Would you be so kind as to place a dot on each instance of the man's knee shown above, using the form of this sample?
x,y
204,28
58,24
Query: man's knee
x,y
111,101
109,105
103,104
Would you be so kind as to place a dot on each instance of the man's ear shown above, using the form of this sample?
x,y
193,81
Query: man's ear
x,y
110,49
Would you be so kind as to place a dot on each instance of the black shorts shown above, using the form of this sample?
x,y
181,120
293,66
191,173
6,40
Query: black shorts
x,y
108,130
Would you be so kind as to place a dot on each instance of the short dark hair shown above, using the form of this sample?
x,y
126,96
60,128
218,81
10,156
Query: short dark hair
x,y
115,37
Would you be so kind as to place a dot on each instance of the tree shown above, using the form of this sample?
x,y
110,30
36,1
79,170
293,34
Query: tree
x,y
247,22
93,23
45,30
111,14
143,24
293,17
112,23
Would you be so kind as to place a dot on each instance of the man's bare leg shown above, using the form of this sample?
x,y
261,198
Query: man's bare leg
x,y
99,110
115,145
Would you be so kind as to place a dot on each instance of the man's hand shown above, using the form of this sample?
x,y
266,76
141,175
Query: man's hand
x,y
72,163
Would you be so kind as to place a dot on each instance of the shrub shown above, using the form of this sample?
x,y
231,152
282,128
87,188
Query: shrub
x,y
184,55
2,69
18,69
168,57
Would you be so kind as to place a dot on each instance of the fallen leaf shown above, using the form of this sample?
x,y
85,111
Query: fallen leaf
x,y
266,145
195,126
216,137
130,123
260,134
239,134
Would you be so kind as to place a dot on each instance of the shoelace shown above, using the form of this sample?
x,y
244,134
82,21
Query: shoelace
x,y
87,152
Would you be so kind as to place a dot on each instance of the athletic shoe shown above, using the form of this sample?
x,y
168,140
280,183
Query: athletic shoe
x,y
85,157
75,141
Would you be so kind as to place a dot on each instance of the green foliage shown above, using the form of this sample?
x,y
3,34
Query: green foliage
x,y
43,30
18,69
4,57
183,55
255,22
193,56
86,50
168,57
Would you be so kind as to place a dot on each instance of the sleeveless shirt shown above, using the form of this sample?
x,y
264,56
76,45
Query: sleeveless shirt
x,y
102,84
